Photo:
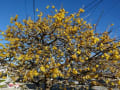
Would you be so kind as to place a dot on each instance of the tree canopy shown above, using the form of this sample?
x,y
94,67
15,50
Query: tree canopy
x,y
60,45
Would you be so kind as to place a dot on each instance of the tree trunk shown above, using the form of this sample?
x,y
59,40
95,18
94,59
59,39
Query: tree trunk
x,y
37,85
47,84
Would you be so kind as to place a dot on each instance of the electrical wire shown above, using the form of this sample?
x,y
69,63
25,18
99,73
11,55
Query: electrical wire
x,y
94,6
90,4
26,14
34,9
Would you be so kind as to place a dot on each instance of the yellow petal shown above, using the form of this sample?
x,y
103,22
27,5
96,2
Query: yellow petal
x,y
37,10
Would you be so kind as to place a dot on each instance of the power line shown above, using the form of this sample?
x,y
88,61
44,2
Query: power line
x,y
113,6
107,13
26,14
99,18
89,14
95,5
90,4
34,9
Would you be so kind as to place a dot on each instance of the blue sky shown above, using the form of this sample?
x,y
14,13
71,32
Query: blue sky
x,y
9,8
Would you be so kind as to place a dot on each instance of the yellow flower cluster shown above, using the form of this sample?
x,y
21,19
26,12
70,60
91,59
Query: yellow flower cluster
x,y
42,68
74,71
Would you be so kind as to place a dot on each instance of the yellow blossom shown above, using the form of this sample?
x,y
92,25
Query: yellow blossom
x,y
53,6
112,24
82,61
55,10
47,6
54,48
42,68
74,56
97,66
54,75
75,71
46,66
11,20
2,33
81,10
16,17
36,73
37,10
118,82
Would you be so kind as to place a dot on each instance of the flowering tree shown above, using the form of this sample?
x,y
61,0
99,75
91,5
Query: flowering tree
x,y
60,45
